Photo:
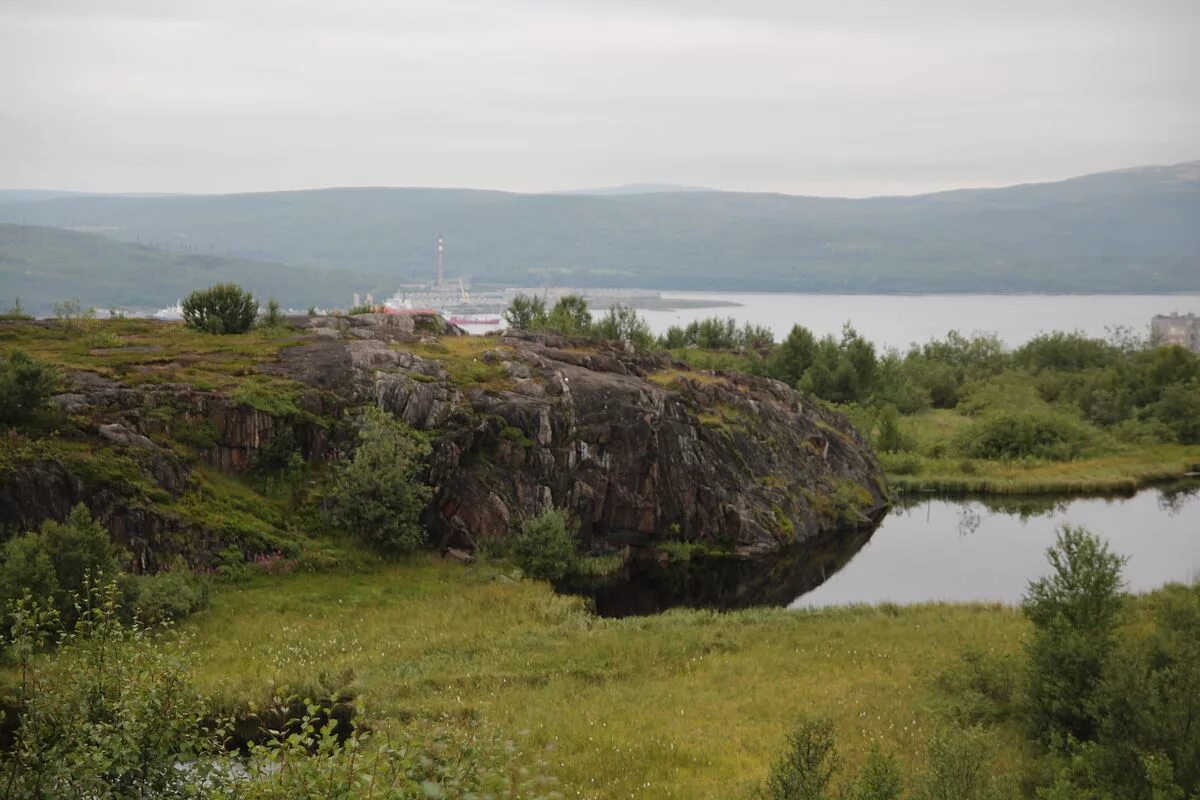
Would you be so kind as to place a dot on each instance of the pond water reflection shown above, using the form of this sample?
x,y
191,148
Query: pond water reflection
x,y
988,550
925,550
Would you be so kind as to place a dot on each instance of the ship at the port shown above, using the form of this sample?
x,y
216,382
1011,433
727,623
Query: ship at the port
x,y
462,306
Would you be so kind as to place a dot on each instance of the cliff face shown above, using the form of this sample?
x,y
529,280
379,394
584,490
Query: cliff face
x,y
639,448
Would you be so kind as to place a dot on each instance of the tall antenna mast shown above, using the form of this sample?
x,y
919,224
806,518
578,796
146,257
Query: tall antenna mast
x,y
441,279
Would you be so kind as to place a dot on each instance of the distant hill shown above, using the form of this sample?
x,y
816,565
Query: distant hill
x,y
1129,230
42,266
636,188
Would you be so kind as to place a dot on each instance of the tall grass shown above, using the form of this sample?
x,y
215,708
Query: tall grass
x,y
689,704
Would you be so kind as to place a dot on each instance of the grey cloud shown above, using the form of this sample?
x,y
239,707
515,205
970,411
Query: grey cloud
x,y
853,97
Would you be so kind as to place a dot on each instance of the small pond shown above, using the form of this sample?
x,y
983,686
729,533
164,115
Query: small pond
x,y
953,549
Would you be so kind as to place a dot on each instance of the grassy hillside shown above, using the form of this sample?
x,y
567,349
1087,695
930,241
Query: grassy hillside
x,y
1132,230
42,266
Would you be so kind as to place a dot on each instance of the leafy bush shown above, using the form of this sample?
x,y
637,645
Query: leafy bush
x,y
1074,611
625,324
274,317
222,309
570,316
377,495
56,561
25,387
715,333
958,767
980,688
526,313
107,715
805,769
168,596
545,548
879,778
312,761
72,313
1017,434
16,311
1066,352
1178,409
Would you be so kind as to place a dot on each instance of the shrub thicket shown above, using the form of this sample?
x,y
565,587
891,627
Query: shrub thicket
x,y
55,561
108,715
545,547
223,309
1016,435
377,495
25,387
168,596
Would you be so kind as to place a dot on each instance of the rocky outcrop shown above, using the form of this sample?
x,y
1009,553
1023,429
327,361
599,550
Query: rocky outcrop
x,y
640,449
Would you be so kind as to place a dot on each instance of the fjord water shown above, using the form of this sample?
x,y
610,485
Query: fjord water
x,y
899,320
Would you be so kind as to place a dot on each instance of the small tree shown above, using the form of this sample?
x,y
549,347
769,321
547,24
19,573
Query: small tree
x,y
793,357
526,313
15,311
624,323
377,495
274,317
570,316
221,309
806,768
545,548
1074,611
72,311
25,387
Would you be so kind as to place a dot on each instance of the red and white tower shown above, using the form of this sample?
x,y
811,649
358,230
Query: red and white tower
x,y
441,279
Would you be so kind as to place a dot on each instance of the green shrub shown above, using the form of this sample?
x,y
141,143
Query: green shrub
x,y
624,324
72,313
889,436
545,548
16,311
25,387
570,316
1065,352
1074,611
222,309
1178,409
958,767
168,596
526,313
879,778
980,688
274,317
1147,744
56,561
1016,435
107,714
377,495
805,769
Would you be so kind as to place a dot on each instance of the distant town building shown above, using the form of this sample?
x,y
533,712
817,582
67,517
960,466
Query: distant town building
x,y
1176,328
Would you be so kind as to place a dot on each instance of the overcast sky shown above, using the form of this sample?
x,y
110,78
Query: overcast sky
x,y
843,97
